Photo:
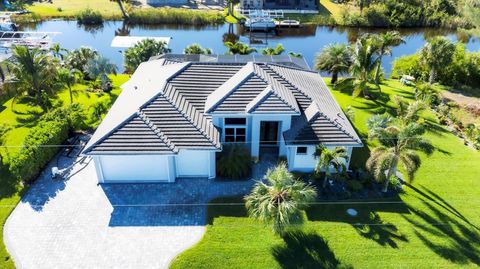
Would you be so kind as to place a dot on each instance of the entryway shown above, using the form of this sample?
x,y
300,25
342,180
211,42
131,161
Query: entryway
x,y
269,139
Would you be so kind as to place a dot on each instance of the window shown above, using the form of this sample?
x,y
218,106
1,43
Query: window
x,y
301,150
235,121
235,130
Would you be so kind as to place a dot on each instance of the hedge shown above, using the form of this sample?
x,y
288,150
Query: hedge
x,y
39,148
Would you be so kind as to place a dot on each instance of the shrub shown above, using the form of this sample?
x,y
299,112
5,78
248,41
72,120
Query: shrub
x,y
234,162
409,65
89,17
354,185
38,149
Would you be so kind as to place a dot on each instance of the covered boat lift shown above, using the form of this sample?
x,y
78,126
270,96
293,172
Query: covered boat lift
x,y
130,41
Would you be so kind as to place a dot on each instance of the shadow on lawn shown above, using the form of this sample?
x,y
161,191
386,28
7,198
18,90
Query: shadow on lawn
x,y
368,222
305,250
445,235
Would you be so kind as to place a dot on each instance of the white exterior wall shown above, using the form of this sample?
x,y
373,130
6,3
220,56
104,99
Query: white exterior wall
x,y
195,163
135,168
308,162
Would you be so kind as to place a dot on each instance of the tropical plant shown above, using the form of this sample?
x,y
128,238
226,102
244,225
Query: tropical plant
x,y
78,58
280,200
335,59
398,145
142,52
234,162
34,72
350,112
384,43
436,54
471,11
328,159
409,112
196,49
364,62
295,54
122,8
378,122
273,51
99,68
239,48
58,51
68,78
426,93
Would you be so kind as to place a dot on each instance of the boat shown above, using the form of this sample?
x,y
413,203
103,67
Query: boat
x,y
260,24
289,23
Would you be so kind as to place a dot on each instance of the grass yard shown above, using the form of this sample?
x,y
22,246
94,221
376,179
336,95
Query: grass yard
x,y
433,224
22,117
69,8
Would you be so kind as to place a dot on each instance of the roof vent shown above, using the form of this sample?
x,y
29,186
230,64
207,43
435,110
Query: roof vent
x,y
135,87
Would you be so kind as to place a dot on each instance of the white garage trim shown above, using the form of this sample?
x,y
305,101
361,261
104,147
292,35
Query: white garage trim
x,y
195,163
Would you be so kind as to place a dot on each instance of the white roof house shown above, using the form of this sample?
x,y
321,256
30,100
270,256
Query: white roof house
x,y
173,116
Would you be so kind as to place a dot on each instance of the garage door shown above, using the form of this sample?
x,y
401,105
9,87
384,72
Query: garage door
x,y
140,168
193,163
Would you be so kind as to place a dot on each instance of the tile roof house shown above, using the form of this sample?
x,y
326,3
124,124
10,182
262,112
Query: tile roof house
x,y
174,115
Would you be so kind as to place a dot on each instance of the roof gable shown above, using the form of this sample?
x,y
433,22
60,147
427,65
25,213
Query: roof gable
x,y
268,101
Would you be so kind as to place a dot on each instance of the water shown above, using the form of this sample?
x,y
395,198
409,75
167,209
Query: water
x,y
307,40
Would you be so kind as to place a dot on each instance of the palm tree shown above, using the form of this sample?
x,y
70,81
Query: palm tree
x,y
295,54
33,71
364,62
385,43
436,53
280,200
230,5
409,112
328,159
335,59
398,144
122,8
68,78
58,51
274,51
101,67
196,49
78,59
239,48
142,51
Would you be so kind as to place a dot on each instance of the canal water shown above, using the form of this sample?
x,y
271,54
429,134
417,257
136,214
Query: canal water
x,y
307,40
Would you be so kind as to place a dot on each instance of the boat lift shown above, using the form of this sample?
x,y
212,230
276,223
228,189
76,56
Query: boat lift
x,y
41,40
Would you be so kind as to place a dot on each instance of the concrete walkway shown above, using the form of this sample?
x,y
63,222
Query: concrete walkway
x,y
79,224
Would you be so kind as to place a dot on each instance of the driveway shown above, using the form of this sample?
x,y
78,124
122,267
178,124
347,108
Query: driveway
x,y
77,223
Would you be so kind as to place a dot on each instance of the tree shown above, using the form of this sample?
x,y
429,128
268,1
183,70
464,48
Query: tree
x,y
335,59
196,49
385,43
436,54
58,51
471,11
68,78
295,54
100,67
280,200
239,48
78,59
398,145
409,112
328,159
122,8
274,51
230,5
364,62
142,52
34,72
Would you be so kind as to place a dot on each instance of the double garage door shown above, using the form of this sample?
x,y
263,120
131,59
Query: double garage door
x,y
153,168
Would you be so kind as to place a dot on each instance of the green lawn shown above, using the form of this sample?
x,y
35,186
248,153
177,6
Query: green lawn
x,y
69,8
22,117
433,224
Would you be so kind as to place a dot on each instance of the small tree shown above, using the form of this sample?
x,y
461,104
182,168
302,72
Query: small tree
x,y
274,51
436,54
196,49
78,59
335,59
280,200
68,78
58,51
385,43
328,159
142,52
239,48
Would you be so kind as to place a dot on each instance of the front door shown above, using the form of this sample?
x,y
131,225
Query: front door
x,y
269,133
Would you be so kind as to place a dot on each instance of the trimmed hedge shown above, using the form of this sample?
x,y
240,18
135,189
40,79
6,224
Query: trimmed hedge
x,y
39,148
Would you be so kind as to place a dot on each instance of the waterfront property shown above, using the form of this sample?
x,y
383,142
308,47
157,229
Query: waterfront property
x,y
174,116
290,5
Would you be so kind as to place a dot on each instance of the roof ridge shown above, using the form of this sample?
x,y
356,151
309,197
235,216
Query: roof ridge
x,y
291,67
157,131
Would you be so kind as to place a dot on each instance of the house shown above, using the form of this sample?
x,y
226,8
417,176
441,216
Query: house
x,y
173,116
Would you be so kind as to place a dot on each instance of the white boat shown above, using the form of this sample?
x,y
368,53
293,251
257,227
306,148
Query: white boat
x,y
260,24
289,23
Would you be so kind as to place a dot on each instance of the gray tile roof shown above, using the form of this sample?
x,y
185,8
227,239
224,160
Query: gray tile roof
x,y
168,106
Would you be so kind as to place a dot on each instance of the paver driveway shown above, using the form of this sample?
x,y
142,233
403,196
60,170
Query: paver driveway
x,y
79,224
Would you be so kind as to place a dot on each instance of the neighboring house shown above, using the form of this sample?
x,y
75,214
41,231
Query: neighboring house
x,y
173,117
